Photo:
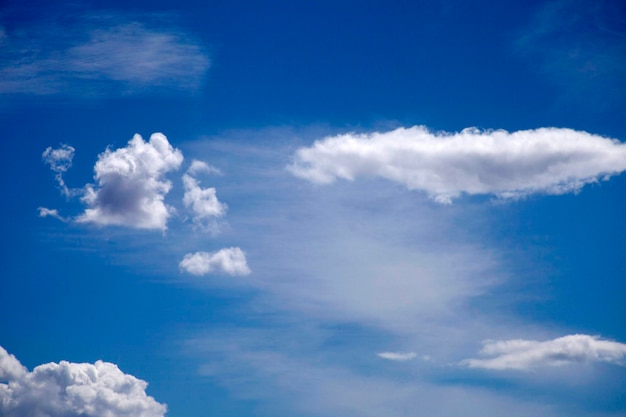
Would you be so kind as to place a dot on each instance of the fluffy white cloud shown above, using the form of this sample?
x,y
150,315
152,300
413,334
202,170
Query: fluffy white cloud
x,y
527,354
398,356
99,55
59,160
446,165
130,188
231,261
68,389
202,202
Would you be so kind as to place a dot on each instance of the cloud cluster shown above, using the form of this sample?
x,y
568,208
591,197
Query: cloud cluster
x,y
130,191
98,54
447,165
230,261
130,187
59,160
68,389
528,354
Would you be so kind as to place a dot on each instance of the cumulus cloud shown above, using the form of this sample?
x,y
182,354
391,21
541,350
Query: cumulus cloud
x,y
202,202
231,261
99,54
59,160
68,389
446,165
130,187
398,356
522,354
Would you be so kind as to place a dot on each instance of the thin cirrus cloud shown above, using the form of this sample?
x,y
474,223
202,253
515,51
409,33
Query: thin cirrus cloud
x,y
519,354
448,165
130,186
67,389
230,261
99,54
397,356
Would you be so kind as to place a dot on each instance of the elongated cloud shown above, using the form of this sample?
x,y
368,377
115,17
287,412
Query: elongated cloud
x,y
528,354
446,165
230,261
94,55
397,356
67,389
59,160
130,187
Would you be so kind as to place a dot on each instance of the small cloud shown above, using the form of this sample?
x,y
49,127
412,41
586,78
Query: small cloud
x,y
200,167
230,261
130,187
447,165
46,212
524,355
59,160
398,356
72,389
202,202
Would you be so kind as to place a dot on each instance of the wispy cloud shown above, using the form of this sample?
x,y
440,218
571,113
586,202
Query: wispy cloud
x,y
100,55
72,389
230,261
397,356
59,160
46,212
447,165
269,367
524,355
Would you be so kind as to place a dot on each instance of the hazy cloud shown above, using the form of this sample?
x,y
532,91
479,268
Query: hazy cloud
x,y
398,356
99,54
130,187
231,261
447,165
67,389
522,354
59,160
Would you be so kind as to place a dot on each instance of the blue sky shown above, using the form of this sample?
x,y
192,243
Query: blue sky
x,y
313,208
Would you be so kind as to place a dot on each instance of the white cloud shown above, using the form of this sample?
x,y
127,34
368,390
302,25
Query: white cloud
x,y
231,261
59,160
398,356
446,165
96,55
199,167
202,202
67,389
130,188
46,212
521,354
